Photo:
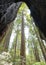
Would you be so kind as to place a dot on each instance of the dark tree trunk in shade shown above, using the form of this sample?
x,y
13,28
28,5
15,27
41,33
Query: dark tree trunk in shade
x,y
22,51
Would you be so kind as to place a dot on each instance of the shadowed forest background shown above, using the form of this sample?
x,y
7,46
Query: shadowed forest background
x,y
21,43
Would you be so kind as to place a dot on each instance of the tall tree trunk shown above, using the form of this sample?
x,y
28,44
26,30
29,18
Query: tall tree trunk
x,y
15,45
41,43
36,53
42,46
22,51
7,37
6,22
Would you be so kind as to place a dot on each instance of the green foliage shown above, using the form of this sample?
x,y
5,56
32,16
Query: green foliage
x,y
39,63
23,7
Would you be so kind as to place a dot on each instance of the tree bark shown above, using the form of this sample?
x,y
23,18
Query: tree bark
x,y
7,37
22,51
36,53
41,44
5,24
